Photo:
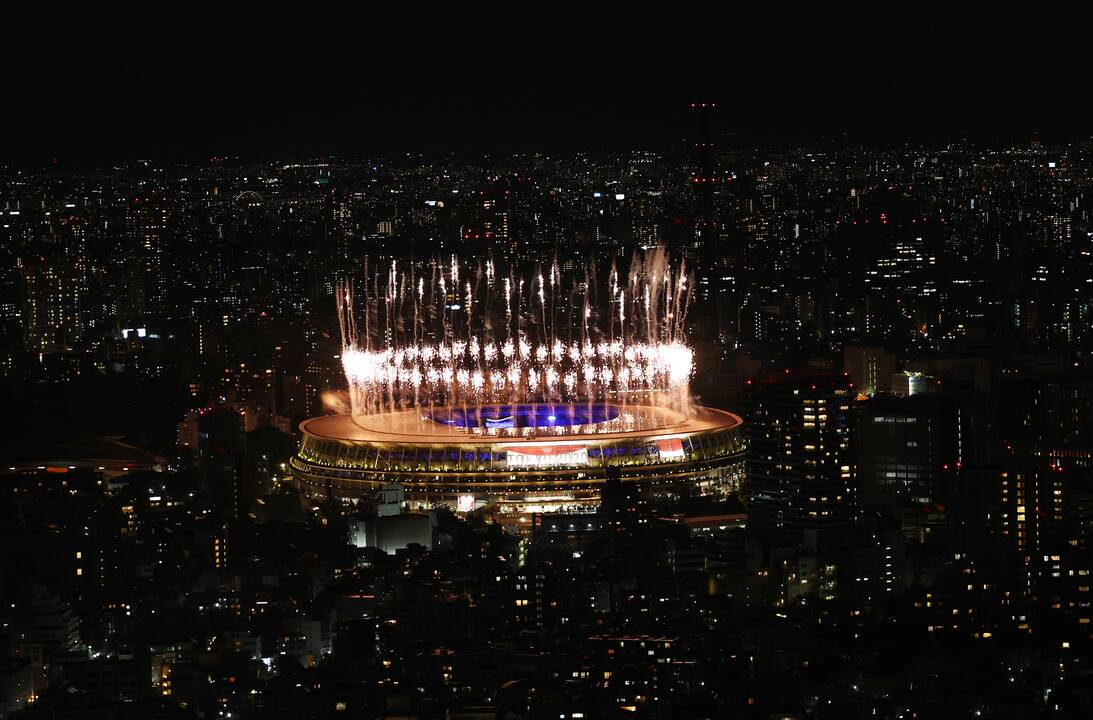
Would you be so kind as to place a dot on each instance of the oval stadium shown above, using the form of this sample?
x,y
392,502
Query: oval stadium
x,y
521,458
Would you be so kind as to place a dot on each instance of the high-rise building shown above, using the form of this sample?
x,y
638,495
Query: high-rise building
x,y
908,446
869,368
147,221
802,466
52,300
1032,499
901,263
1049,417
488,222
704,177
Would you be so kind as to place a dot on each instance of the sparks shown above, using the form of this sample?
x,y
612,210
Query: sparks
x,y
412,354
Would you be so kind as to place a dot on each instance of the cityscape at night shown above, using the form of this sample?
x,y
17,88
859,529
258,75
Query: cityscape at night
x,y
462,363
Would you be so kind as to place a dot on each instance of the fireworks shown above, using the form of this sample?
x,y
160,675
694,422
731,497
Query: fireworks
x,y
504,373
459,335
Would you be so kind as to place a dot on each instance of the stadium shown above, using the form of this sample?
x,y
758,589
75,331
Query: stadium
x,y
470,388
465,460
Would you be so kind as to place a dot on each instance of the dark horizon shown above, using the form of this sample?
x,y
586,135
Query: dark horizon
x,y
94,84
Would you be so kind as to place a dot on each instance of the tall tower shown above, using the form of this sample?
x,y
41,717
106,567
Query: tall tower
x,y
716,269
147,220
703,179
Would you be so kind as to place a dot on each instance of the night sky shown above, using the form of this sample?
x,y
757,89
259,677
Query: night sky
x,y
111,81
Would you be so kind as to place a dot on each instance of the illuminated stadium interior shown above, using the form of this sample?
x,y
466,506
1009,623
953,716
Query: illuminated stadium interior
x,y
526,416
